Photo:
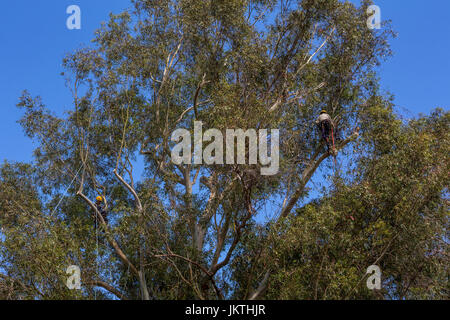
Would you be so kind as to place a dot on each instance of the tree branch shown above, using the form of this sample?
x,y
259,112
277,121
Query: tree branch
x,y
108,287
309,171
261,288
131,189
111,240
306,176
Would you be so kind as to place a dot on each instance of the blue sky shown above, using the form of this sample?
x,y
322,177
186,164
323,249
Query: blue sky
x,y
34,38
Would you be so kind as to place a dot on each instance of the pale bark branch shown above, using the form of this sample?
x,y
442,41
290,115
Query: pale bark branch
x,y
131,189
261,288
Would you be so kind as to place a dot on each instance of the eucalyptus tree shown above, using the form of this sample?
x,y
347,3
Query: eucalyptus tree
x,y
161,66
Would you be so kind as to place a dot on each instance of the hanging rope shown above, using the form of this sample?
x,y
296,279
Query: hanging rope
x,y
65,192
96,255
334,148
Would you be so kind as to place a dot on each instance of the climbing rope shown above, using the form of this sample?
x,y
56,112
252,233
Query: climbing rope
x,y
65,192
97,253
62,198
334,147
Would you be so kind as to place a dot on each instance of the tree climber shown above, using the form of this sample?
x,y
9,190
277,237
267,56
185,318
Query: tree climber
x,y
326,127
101,209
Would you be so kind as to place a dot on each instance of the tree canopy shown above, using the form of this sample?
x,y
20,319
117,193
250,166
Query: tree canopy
x,y
197,231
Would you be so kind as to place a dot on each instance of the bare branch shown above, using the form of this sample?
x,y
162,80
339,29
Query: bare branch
x,y
131,189
315,52
197,92
108,287
261,288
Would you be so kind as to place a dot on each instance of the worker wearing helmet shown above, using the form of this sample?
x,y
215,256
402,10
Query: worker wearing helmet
x,y
100,207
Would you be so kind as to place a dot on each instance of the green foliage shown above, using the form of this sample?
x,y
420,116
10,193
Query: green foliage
x,y
197,231
400,213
